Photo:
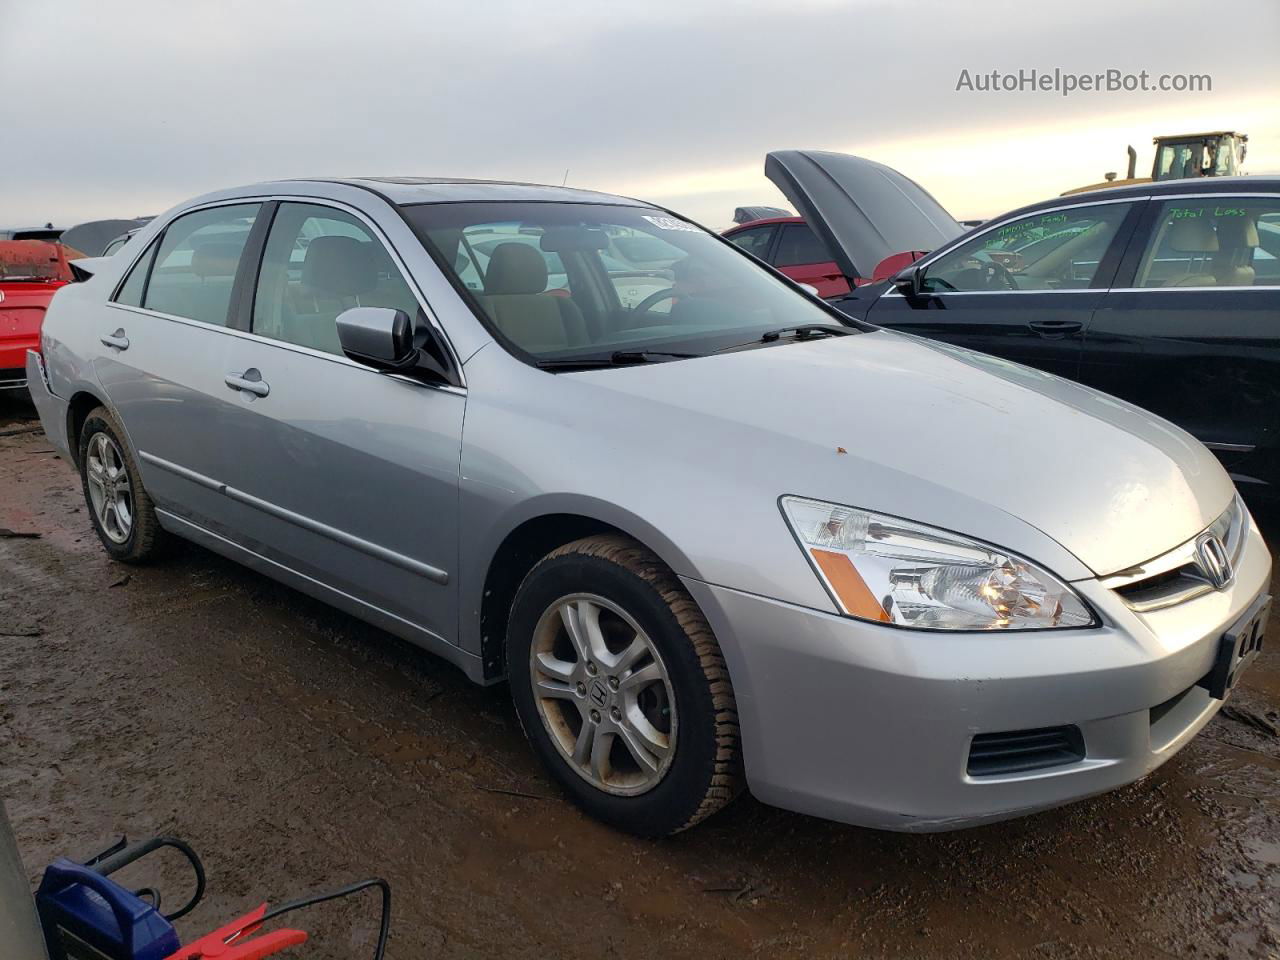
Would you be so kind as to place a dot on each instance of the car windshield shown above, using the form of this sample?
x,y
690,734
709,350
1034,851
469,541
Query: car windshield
x,y
582,281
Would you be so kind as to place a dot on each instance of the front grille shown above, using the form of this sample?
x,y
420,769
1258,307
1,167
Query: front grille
x,y
1176,577
1017,751
1164,589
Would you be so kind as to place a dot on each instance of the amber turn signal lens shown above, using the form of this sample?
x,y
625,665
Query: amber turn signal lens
x,y
849,586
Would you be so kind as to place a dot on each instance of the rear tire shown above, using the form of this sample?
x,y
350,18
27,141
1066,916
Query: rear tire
x,y
123,516
622,689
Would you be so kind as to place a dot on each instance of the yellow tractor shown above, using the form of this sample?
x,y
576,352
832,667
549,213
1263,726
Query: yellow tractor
x,y
1216,154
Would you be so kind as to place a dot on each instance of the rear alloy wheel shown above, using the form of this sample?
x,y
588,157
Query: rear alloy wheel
x,y
110,488
622,689
122,513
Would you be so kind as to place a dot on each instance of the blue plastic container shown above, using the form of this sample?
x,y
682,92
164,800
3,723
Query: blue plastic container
x,y
88,917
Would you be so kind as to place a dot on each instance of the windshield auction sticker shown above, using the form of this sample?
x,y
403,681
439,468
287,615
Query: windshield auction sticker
x,y
671,223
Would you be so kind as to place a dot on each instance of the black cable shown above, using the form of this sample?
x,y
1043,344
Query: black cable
x,y
196,866
384,927
119,856
150,893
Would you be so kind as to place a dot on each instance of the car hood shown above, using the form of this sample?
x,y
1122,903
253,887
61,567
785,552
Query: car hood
x,y
92,237
940,435
864,210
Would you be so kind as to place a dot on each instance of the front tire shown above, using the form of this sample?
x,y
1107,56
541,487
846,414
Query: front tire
x,y
123,515
622,689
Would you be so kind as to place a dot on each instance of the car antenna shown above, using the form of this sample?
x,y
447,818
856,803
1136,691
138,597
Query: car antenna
x,y
566,177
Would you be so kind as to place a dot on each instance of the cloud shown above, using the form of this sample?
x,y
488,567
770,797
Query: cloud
x,y
131,111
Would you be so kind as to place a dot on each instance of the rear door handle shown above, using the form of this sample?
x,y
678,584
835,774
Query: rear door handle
x,y
248,382
117,340
1056,328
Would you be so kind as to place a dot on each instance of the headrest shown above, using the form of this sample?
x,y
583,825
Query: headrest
x,y
1237,232
515,268
1193,235
215,259
342,266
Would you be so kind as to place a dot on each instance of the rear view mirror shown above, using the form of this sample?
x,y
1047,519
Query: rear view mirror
x,y
377,337
571,239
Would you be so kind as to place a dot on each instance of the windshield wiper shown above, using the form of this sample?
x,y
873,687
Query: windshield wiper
x,y
649,356
804,331
619,358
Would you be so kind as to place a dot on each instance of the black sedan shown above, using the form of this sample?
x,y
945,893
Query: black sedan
x,y
1163,294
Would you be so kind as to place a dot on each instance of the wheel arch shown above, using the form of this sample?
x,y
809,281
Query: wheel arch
x,y
81,404
527,540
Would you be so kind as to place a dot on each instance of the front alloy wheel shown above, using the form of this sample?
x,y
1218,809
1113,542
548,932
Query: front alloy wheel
x,y
621,687
603,694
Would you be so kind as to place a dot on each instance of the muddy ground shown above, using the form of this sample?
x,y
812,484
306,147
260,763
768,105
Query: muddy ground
x,y
297,748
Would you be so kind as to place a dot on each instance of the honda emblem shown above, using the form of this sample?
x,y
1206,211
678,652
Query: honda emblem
x,y
1212,559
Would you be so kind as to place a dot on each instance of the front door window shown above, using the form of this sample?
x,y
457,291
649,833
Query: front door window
x,y
318,262
1053,250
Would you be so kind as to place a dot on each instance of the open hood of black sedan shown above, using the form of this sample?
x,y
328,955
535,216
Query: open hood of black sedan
x,y
864,210
92,237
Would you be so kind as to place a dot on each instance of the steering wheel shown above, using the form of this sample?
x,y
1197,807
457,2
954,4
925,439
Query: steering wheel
x,y
992,271
652,300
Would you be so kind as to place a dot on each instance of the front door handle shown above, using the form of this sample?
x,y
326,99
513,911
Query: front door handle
x,y
248,382
1054,329
117,340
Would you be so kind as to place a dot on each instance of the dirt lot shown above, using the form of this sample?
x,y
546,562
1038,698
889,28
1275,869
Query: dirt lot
x,y
297,748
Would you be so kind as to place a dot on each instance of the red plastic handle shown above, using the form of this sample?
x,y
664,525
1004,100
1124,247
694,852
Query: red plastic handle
x,y
235,941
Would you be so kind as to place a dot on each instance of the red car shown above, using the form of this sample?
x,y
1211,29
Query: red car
x,y
883,223
31,271
788,244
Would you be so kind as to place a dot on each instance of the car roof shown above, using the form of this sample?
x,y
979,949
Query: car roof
x,y
1205,185
411,190
406,191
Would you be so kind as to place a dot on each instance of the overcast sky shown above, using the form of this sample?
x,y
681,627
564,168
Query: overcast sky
x,y
126,107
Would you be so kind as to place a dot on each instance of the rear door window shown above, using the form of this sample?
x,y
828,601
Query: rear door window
x,y
799,245
196,263
320,261
755,241
132,289
1215,242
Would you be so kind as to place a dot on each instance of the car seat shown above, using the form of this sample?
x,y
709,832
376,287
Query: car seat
x,y
1233,263
516,300
1195,236
204,293
337,272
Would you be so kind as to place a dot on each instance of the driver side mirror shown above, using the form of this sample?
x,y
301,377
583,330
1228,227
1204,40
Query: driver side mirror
x,y
910,282
385,339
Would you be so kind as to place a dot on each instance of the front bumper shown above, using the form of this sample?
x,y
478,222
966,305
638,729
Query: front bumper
x,y
872,725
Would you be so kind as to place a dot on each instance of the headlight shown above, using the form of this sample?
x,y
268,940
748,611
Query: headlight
x,y
882,568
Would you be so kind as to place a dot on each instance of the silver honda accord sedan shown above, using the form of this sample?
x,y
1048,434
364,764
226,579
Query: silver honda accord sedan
x,y
714,534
